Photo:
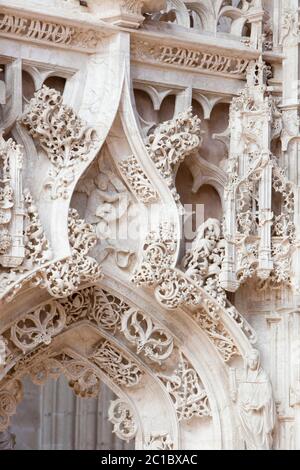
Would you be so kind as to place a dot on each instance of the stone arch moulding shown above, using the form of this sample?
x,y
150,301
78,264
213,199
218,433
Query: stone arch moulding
x,y
90,321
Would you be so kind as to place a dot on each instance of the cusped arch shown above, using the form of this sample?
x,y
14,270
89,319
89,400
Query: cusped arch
x,y
193,343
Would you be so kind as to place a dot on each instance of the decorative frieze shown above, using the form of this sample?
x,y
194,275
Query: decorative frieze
x,y
190,59
138,181
252,391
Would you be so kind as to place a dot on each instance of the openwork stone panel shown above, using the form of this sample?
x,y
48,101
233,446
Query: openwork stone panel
x,y
149,218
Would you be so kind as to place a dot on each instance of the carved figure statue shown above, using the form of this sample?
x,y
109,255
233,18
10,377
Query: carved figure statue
x,y
107,205
255,403
204,260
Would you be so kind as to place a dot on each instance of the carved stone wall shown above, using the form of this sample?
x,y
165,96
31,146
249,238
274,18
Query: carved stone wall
x,y
149,224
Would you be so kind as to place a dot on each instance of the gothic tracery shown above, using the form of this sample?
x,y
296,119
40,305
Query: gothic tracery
x,y
149,226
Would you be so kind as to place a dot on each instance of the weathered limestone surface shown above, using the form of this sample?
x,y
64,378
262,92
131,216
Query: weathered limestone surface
x,y
149,224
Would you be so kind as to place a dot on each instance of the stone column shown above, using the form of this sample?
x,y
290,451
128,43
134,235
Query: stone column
x,y
289,39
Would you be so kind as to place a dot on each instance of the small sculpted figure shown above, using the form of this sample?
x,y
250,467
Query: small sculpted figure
x,y
255,404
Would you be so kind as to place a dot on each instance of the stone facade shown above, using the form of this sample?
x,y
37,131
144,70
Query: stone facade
x,y
149,224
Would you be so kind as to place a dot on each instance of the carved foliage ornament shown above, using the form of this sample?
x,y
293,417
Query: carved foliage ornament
x,y
159,252
39,326
171,142
103,309
10,395
121,369
186,391
174,289
61,134
217,334
121,416
159,441
178,56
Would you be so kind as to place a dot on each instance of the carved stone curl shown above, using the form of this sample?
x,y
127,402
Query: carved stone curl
x,y
61,134
64,277
121,416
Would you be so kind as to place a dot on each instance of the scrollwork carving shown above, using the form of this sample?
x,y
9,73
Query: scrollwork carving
x,y
48,32
186,390
217,334
39,326
178,56
37,250
159,441
61,134
138,180
64,277
11,204
82,378
154,341
203,262
10,395
121,416
122,370
171,142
